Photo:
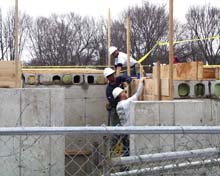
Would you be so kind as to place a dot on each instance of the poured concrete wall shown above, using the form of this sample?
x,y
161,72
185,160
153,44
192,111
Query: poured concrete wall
x,y
178,112
84,105
32,155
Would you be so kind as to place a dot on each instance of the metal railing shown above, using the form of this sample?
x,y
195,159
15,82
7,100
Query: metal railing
x,y
92,151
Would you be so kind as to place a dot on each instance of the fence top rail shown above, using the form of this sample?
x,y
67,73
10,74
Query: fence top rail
x,y
107,130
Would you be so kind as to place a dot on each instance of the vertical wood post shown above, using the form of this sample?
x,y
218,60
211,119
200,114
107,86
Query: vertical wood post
x,y
109,37
158,81
128,46
171,49
17,72
128,53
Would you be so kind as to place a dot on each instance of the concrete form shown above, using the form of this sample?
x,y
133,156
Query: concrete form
x,y
32,155
178,112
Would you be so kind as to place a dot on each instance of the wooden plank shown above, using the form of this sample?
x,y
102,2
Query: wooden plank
x,y
149,86
182,71
200,70
19,77
164,87
9,64
128,46
150,97
109,37
77,152
62,71
158,81
171,50
209,73
7,78
8,75
217,72
7,84
134,85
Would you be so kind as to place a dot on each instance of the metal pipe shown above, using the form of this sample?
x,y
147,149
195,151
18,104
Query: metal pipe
x,y
165,156
169,168
110,130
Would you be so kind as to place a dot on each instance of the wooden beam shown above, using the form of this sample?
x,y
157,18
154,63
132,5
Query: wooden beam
x,y
17,67
128,46
158,81
109,37
171,55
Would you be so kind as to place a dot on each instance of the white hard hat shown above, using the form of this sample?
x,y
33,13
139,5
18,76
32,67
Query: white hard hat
x,y
116,92
108,71
112,49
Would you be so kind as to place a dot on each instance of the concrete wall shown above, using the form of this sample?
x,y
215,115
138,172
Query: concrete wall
x,y
32,155
84,105
168,113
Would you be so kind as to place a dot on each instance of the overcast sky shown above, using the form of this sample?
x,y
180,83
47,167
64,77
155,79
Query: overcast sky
x,y
95,8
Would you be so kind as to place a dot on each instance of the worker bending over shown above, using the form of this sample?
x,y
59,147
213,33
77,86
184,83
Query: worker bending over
x,y
121,60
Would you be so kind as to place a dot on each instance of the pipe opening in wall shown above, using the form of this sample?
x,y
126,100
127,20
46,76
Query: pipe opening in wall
x,y
217,90
76,79
199,89
56,79
183,90
31,80
67,79
90,79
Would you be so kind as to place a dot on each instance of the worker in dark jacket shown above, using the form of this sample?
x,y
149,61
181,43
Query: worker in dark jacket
x,y
113,119
113,83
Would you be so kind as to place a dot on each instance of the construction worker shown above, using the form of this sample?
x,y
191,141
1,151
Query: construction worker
x,y
113,83
123,106
121,60
123,111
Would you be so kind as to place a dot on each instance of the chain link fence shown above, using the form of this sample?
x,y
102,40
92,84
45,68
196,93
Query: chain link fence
x,y
110,151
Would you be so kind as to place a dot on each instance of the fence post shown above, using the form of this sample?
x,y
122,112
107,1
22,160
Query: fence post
x,y
106,167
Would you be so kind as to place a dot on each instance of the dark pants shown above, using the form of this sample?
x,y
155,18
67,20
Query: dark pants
x,y
119,143
133,72
114,119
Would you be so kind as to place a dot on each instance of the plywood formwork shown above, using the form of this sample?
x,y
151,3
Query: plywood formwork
x,y
211,72
10,77
182,71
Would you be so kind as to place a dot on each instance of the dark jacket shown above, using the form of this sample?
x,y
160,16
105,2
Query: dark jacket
x,y
120,79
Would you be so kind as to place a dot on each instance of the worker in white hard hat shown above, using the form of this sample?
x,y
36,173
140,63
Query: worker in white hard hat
x,y
123,106
113,82
123,111
121,60
113,118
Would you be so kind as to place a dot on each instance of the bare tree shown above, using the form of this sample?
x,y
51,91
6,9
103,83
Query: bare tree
x,y
7,35
63,40
148,25
203,22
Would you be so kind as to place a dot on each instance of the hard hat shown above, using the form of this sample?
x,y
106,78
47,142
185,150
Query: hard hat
x,y
108,71
112,49
116,92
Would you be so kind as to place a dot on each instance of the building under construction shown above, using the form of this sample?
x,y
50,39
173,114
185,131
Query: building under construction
x,y
54,121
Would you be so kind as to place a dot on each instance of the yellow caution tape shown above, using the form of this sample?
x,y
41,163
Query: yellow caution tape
x,y
189,40
139,61
146,55
176,42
